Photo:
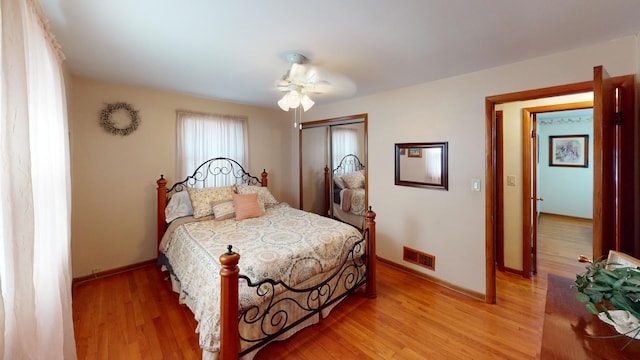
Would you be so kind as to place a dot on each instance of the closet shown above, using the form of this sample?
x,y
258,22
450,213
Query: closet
x,y
331,151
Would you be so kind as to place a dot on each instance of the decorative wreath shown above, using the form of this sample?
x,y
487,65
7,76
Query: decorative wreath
x,y
107,123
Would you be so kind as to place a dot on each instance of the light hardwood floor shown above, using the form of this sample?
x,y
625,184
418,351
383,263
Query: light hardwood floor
x,y
135,315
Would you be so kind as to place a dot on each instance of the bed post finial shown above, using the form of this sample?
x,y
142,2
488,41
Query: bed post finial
x,y
264,180
229,303
370,225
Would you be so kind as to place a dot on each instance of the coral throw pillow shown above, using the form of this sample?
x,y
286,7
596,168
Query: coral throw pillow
x,y
246,206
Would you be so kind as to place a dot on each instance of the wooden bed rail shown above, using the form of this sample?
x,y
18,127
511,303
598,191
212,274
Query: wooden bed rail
x,y
370,225
229,283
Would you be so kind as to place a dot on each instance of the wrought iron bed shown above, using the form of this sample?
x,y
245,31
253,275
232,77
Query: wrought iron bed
x,y
348,164
270,319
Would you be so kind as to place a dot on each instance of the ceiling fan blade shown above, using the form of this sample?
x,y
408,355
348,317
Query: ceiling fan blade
x,y
311,76
319,87
297,74
336,84
304,79
283,85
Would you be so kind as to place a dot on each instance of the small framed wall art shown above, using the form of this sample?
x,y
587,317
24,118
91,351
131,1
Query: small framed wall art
x,y
415,152
569,150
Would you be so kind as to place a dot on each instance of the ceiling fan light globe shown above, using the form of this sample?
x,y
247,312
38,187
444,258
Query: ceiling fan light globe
x,y
306,102
283,103
293,99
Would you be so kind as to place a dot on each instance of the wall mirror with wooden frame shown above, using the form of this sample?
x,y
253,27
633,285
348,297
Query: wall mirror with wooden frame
x,y
333,168
422,165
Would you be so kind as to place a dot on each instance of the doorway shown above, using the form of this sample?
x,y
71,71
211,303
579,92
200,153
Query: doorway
x,y
608,161
566,183
525,166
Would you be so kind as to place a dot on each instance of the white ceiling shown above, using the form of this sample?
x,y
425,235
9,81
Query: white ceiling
x,y
235,50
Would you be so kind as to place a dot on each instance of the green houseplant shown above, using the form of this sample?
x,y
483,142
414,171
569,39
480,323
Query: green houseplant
x,y
606,286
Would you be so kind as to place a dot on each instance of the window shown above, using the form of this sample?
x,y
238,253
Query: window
x,y
344,142
204,136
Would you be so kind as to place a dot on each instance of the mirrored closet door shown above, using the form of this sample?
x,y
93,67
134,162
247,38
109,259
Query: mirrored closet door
x,y
333,168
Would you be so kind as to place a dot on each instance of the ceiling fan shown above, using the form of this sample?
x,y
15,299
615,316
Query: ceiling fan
x,y
299,81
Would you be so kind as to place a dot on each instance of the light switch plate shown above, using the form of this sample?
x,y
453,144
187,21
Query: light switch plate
x,y
475,184
511,180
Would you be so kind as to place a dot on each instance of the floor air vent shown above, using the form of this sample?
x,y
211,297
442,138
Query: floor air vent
x,y
419,258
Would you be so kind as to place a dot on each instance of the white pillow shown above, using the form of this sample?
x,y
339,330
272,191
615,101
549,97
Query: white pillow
x,y
354,180
179,206
337,179
264,195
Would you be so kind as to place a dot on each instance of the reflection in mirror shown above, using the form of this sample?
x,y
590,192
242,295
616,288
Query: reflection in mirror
x,y
422,165
345,195
313,157
332,151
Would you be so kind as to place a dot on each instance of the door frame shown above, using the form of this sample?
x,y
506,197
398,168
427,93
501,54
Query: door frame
x,y
606,191
491,167
499,194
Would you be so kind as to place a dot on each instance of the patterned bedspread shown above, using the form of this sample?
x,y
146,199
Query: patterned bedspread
x,y
356,205
285,244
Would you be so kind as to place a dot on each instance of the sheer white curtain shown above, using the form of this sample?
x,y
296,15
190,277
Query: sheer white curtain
x,y
205,136
35,277
433,163
344,142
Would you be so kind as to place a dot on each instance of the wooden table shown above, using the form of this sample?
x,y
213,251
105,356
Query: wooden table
x,y
569,329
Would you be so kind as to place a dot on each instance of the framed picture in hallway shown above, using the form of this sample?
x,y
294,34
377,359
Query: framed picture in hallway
x,y
569,150
415,152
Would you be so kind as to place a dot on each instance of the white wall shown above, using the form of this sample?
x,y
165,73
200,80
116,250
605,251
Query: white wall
x,y
113,177
566,190
451,224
